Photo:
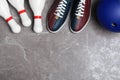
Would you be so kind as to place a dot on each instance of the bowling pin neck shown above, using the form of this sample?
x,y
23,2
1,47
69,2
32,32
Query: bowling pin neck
x,y
37,17
37,13
22,11
37,6
9,19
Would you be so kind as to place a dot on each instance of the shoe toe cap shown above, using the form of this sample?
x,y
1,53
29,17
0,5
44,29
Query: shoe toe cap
x,y
55,26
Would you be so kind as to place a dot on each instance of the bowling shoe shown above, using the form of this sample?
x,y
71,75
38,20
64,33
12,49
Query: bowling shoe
x,y
79,15
58,14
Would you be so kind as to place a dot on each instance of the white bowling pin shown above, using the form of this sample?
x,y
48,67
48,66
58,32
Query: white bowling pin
x,y
5,13
19,5
37,7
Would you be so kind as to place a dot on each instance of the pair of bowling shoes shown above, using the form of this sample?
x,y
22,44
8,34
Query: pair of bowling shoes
x,y
80,12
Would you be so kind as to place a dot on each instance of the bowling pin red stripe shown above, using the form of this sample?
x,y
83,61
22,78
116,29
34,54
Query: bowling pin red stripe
x,y
22,11
37,17
8,19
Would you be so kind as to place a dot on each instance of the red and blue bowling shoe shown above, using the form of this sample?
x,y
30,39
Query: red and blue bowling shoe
x,y
79,15
58,14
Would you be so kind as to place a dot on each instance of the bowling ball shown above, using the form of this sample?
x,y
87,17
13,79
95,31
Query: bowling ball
x,y
108,14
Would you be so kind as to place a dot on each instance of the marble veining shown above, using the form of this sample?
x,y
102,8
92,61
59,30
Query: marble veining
x,y
92,54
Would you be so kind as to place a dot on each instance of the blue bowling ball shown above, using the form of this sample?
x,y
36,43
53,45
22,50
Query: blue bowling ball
x,y
108,14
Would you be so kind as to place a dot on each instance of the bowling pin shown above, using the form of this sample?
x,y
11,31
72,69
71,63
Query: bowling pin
x,y
19,5
5,13
37,7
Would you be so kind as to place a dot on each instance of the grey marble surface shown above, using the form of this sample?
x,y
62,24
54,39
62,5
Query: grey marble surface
x,y
93,54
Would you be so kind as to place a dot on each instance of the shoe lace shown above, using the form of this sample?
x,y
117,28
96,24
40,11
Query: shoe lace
x,y
61,9
80,9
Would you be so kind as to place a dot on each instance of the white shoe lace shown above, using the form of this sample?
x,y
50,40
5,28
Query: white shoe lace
x,y
61,9
81,8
